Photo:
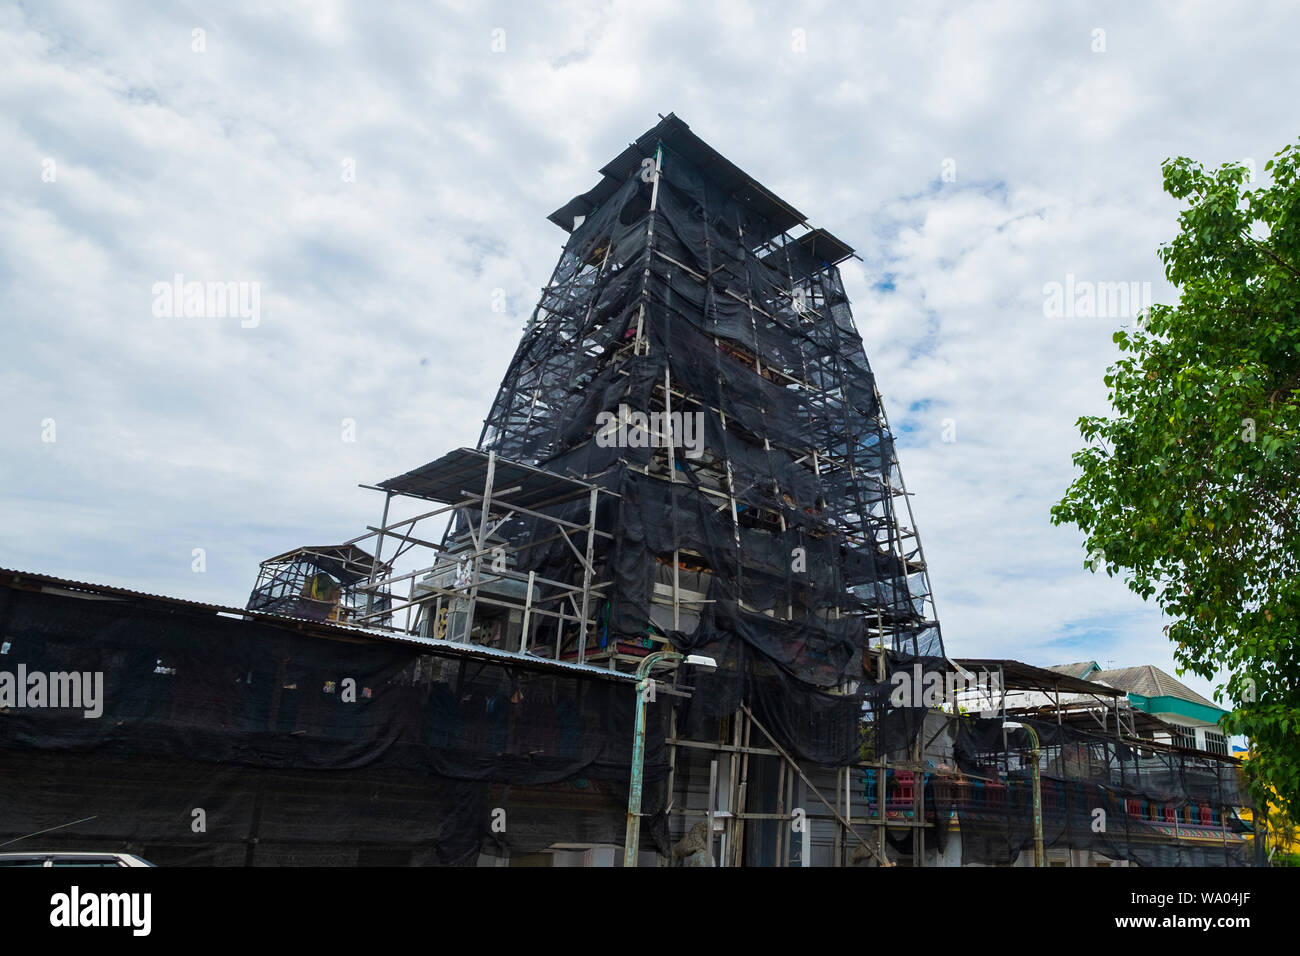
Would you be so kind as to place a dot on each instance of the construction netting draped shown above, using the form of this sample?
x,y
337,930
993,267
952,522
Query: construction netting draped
x,y
696,361
1153,806
225,741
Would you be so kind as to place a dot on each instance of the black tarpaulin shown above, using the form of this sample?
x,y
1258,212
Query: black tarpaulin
x,y
299,747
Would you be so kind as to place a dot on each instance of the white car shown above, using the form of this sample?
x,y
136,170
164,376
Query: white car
x,y
64,858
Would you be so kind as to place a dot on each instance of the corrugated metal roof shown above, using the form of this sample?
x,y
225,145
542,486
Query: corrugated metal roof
x,y
346,562
1017,675
809,254
1077,669
463,472
1148,680
677,136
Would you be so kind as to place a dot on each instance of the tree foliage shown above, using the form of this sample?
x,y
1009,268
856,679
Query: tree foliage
x,y
1191,488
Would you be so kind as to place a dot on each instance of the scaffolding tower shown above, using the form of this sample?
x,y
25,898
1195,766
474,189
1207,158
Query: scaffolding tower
x,y
695,347
688,453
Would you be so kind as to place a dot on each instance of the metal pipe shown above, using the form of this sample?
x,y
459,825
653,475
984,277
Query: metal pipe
x,y
478,550
586,574
632,839
1034,754
379,549
528,608
713,803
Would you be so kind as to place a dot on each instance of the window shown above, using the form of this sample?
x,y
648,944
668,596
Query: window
x,y
1184,736
1216,743
84,861
48,860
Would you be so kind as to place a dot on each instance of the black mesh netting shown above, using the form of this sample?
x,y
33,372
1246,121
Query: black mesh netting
x,y
1153,807
299,748
777,507
773,502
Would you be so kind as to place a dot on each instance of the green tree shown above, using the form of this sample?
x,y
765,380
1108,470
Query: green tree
x,y
1191,488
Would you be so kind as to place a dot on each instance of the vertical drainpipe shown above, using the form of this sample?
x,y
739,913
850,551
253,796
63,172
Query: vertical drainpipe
x,y
632,837
1034,754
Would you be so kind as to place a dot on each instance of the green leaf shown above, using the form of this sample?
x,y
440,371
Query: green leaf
x,y
1196,516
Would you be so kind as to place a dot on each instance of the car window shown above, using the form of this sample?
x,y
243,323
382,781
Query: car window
x,y
33,861
85,861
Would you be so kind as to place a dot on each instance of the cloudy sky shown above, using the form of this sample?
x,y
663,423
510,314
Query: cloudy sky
x,y
381,170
